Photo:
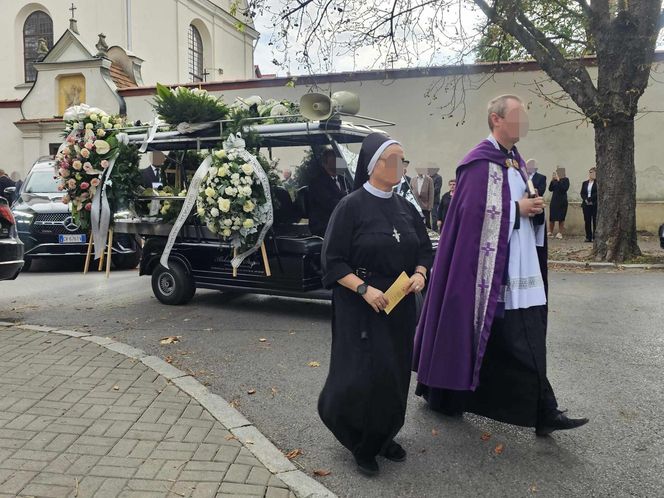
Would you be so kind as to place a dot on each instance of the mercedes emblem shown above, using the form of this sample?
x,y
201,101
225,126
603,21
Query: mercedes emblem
x,y
70,225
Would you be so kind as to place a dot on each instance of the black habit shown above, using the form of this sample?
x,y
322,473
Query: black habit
x,y
364,398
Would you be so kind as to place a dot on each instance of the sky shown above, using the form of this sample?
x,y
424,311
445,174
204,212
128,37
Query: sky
x,y
362,59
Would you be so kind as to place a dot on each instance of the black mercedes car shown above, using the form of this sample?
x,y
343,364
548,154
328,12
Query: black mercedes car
x,y
11,247
47,229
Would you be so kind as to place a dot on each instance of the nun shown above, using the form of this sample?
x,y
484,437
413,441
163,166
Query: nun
x,y
373,236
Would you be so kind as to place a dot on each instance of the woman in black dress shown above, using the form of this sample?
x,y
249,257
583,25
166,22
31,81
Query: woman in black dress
x,y
373,237
558,207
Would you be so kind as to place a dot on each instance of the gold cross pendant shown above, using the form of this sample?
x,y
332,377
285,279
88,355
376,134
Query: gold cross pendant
x,y
512,163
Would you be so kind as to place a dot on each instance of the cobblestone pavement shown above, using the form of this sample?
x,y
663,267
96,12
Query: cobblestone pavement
x,y
79,420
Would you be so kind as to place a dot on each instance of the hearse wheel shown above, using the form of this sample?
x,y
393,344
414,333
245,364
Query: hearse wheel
x,y
173,286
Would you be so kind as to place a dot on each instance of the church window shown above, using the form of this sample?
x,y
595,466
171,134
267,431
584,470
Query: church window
x,y
195,55
37,41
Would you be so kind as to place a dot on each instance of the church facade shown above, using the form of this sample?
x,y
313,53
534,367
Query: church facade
x,y
55,54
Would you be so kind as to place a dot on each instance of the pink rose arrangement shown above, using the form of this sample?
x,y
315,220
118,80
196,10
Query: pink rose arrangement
x,y
86,153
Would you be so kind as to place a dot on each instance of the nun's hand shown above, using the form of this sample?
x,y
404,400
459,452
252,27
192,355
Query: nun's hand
x,y
415,284
376,299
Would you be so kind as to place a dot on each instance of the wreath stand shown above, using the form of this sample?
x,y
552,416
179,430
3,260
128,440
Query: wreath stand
x,y
106,253
266,261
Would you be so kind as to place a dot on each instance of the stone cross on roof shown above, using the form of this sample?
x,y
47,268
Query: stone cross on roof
x,y
73,25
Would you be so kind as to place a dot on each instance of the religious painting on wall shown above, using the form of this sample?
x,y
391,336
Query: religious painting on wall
x,y
71,92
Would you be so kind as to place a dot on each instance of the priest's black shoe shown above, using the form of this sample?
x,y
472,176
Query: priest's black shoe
x,y
559,422
367,465
394,452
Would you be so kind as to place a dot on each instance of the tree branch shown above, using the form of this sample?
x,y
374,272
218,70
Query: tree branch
x,y
569,74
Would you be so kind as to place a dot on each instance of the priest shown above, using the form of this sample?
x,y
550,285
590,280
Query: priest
x,y
481,341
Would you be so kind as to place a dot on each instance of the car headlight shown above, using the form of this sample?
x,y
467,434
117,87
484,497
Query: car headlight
x,y
23,218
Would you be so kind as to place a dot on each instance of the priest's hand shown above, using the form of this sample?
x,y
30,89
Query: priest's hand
x,y
415,284
531,207
376,299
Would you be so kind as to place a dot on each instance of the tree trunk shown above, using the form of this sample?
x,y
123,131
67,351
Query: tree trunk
x,y
615,239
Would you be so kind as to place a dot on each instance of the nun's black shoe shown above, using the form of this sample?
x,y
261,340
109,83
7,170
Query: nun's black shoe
x,y
559,422
367,465
394,452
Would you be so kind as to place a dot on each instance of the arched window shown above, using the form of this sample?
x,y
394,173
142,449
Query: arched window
x,y
195,55
37,41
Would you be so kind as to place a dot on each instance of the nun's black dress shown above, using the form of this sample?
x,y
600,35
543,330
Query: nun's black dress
x,y
364,398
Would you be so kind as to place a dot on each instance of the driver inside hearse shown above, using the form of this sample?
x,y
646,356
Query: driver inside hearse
x,y
326,189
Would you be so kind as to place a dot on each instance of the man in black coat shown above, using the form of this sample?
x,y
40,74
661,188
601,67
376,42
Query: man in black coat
x,y
445,204
539,181
589,204
437,188
152,176
325,191
5,182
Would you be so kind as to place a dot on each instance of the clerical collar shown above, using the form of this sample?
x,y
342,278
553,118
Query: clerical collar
x,y
377,192
497,145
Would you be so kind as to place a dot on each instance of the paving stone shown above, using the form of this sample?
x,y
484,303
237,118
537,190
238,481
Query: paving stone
x,y
81,418
242,489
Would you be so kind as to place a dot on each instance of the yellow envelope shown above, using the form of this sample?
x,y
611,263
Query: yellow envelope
x,y
396,292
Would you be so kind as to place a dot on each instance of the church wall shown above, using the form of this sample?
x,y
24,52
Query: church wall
x,y
159,36
431,141
11,143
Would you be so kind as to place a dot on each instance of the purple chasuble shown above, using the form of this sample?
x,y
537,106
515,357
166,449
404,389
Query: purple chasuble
x,y
467,275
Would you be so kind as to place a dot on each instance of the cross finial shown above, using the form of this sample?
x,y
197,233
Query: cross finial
x,y
73,25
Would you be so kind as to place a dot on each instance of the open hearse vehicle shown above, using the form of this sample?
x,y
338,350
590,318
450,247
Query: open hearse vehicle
x,y
200,259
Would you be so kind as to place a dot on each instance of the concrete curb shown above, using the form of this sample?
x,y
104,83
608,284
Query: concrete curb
x,y
593,264
247,434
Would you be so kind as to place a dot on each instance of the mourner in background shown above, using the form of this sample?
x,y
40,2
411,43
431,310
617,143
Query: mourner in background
x,y
558,211
18,183
539,221
589,204
373,237
437,188
6,182
422,188
404,182
481,341
326,189
152,176
444,206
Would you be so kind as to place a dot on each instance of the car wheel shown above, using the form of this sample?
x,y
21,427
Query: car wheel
x,y
173,286
27,263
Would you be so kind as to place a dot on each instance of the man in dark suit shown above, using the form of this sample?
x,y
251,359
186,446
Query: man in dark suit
x,y
325,191
404,185
6,182
589,204
539,220
437,188
152,176
445,204
539,181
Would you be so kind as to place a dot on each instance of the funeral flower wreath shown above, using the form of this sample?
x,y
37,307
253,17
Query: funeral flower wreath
x,y
86,153
231,199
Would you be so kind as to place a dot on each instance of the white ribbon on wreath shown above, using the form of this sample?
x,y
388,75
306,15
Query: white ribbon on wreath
x,y
100,215
187,206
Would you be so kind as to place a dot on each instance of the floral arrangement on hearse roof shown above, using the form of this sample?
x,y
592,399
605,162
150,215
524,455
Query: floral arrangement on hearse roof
x,y
231,200
87,151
